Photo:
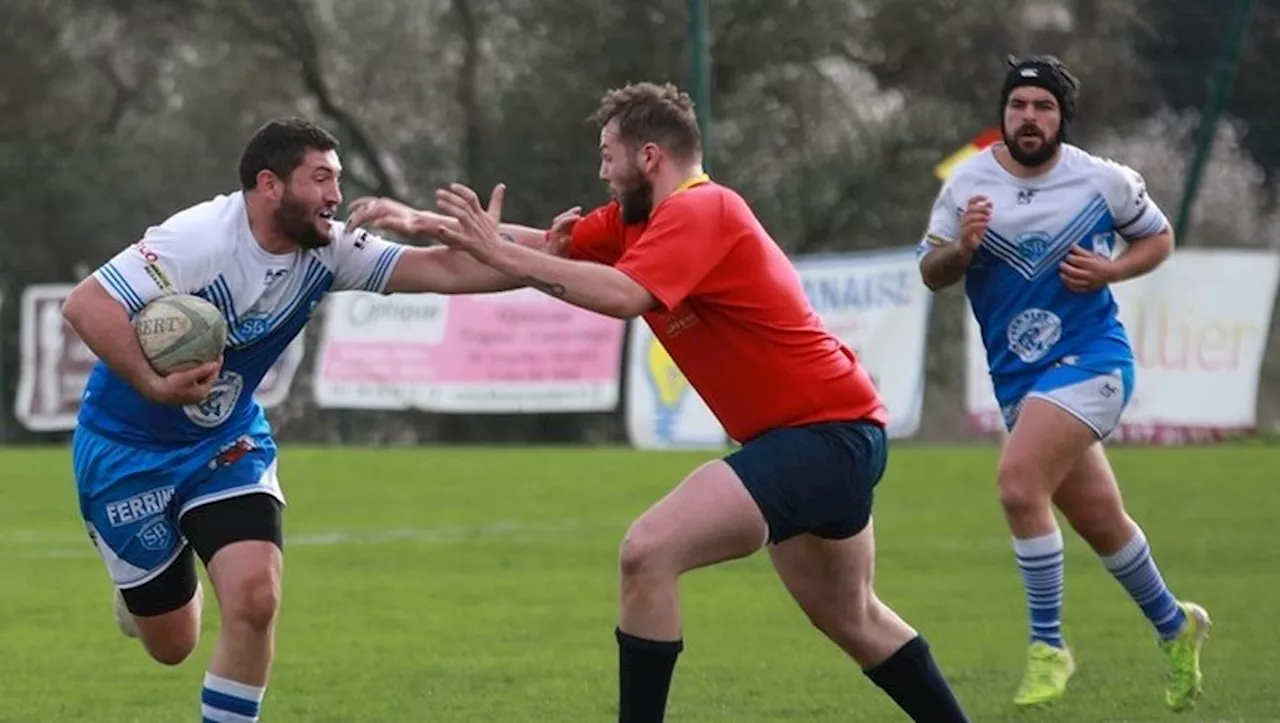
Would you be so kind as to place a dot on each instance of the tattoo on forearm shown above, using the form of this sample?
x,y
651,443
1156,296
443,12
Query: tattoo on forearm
x,y
956,262
946,266
556,290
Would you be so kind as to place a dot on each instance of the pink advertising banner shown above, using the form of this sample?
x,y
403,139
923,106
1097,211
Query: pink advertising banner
x,y
518,351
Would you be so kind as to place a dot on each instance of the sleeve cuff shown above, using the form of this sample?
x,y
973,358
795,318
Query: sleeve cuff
x,y
118,286
665,300
382,268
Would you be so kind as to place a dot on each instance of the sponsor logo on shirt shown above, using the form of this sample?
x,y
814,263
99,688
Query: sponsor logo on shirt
x,y
138,507
152,266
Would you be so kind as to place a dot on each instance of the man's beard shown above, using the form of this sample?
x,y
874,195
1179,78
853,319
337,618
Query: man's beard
x,y
298,223
636,199
1032,159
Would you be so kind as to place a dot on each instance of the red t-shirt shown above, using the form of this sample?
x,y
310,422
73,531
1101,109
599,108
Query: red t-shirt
x,y
733,314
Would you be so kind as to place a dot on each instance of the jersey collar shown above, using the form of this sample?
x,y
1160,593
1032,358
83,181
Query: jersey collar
x,y
697,180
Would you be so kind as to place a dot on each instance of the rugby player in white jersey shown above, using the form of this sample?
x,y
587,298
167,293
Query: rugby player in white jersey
x,y
172,467
1029,225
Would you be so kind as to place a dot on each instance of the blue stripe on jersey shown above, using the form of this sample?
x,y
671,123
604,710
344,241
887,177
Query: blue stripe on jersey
x,y
1079,227
316,276
1003,249
1059,245
1087,217
120,285
377,279
224,290
217,294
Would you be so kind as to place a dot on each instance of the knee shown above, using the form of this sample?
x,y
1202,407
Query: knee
x,y
642,553
1022,484
253,600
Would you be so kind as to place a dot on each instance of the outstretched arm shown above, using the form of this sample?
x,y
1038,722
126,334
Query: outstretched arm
x,y
586,284
596,287
445,270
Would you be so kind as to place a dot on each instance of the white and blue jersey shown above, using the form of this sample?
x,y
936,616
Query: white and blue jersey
x,y
1039,334
140,465
208,250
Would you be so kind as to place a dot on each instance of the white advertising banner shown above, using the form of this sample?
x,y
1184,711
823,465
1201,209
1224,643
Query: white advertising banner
x,y
56,364
663,411
874,302
1199,326
516,351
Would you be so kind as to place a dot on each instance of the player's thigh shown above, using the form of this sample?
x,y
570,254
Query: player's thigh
x,y
241,540
126,497
234,522
1064,414
830,579
708,518
166,611
817,479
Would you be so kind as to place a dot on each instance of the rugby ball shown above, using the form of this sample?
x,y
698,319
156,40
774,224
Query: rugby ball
x,y
180,331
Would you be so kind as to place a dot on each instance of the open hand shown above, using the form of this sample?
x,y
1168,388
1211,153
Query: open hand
x,y
387,214
560,235
476,230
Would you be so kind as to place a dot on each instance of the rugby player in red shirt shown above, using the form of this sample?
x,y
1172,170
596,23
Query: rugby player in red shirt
x,y
689,256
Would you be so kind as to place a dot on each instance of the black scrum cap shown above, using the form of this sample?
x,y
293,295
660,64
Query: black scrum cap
x,y
1043,71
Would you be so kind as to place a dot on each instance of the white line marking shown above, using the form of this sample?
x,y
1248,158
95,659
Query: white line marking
x,y
38,544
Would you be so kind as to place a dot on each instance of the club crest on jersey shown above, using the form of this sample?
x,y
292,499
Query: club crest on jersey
x,y
1033,245
251,326
155,535
1033,333
221,402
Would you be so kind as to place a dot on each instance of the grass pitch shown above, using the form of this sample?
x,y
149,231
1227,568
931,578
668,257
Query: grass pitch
x,y
475,585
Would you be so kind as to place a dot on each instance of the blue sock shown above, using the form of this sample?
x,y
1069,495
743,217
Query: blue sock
x,y
1133,567
226,701
1041,563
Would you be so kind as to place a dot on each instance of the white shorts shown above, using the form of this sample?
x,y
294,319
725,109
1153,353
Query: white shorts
x,y
1097,399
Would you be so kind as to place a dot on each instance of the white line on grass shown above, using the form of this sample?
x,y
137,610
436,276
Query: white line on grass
x,y
39,544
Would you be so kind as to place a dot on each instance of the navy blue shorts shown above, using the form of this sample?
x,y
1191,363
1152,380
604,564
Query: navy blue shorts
x,y
815,479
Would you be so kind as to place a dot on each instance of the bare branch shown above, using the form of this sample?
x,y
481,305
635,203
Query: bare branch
x,y
125,93
468,90
287,27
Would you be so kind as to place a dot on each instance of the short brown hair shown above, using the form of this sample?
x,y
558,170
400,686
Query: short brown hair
x,y
652,113
279,146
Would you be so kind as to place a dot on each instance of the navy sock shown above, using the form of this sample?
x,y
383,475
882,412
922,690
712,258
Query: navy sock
x,y
912,679
645,668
